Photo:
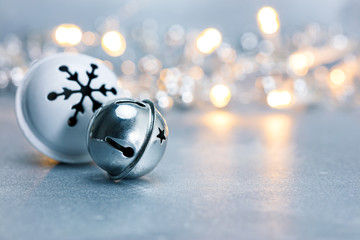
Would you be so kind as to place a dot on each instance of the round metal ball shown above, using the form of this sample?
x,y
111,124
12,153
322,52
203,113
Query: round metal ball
x,y
56,101
127,138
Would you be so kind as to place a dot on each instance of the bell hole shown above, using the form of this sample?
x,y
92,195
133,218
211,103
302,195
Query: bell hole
x,y
137,103
140,104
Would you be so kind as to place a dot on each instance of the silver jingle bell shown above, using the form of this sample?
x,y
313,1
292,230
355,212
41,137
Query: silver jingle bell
x,y
56,101
127,138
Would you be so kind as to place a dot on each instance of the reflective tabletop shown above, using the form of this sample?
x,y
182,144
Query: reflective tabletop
x,y
232,174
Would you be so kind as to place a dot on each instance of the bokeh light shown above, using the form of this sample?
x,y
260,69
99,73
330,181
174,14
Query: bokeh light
x,y
279,99
128,67
196,72
150,64
113,43
175,35
89,39
208,40
187,97
67,35
164,100
268,20
227,54
220,95
300,62
337,76
108,64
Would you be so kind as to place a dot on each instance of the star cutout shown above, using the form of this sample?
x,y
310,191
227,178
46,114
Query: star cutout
x,y
161,135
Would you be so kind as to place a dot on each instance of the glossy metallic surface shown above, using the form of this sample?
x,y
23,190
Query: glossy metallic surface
x,y
123,138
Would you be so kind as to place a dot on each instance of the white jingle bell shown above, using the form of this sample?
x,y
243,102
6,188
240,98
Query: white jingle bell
x,y
56,101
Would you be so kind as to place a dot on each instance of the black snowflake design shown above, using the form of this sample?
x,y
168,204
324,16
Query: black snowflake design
x,y
85,91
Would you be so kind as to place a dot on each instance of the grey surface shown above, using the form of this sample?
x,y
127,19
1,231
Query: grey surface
x,y
250,175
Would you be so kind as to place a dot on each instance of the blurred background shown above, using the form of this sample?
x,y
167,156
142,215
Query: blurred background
x,y
279,160
277,54
233,17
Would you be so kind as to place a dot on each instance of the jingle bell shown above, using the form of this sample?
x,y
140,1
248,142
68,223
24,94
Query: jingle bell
x,y
127,138
56,101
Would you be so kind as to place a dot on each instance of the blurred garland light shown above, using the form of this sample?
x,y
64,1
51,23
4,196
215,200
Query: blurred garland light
x,y
89,39
208,40
268,20
279,99
275,62
67,35
128,67
337,77
113,43
220,95
300,62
